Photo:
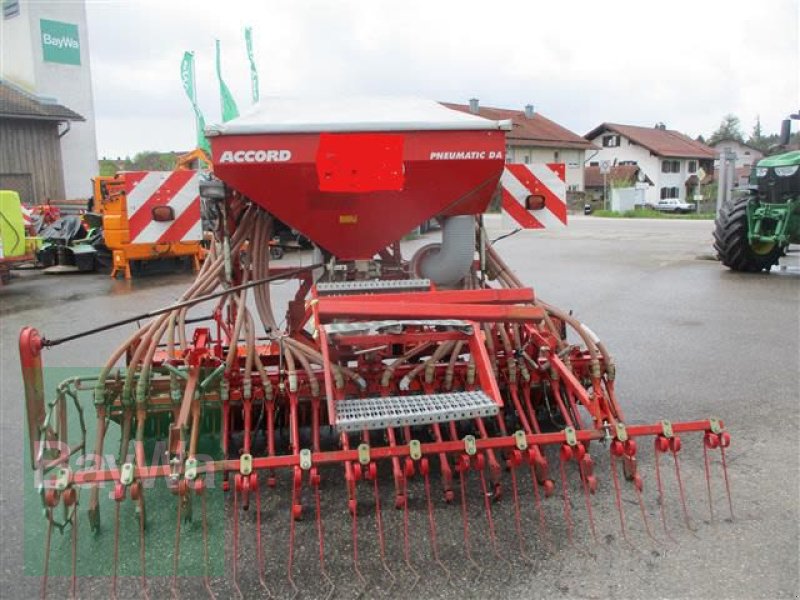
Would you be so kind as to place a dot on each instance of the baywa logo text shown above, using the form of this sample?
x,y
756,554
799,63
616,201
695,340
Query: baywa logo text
x,y
255,156
60,42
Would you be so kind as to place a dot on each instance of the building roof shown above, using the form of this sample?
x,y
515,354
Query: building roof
x,y
723,141
593,178
16,103
535,131
662,142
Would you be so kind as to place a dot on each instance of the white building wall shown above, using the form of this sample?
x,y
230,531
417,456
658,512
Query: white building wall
x,y
745,156
572,159
70,85
649,164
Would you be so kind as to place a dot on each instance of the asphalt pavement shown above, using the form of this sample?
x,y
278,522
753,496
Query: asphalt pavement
x,y
691,340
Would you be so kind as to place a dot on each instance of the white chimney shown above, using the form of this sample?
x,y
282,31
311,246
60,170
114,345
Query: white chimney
x,y
529,111
473,106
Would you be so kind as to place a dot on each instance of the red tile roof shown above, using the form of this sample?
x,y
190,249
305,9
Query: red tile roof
x,y
535,131
593,178
662,142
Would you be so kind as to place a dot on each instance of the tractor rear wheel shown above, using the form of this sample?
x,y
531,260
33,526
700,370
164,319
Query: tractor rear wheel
x,y
732,244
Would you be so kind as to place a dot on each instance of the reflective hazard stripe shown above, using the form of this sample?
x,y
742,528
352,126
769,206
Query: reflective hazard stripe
x,y
177,189
547,180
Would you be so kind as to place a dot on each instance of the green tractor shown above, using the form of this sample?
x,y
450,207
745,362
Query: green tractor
x,y
754,230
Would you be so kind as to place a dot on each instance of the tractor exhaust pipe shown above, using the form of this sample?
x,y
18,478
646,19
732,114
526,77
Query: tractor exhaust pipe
x,y
447,263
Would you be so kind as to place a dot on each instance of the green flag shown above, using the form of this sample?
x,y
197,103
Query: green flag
x,y
187,77
248,40
229,110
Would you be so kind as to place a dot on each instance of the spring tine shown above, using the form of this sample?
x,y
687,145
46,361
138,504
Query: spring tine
x,y
682,493
259,546
320,534
661,499
381,540
565,493
406,538
618,498
727,482
643,511
176,554
290,562
465,519
517,518
116,549
142,560
487,503
543,531
587,496
74,519
235,556
206,578
432,521
47,540
708,482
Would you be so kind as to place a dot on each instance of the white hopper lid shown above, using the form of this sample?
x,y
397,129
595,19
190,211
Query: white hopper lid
x,y
341,114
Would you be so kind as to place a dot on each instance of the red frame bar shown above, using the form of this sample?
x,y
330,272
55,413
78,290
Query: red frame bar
x,y
331,308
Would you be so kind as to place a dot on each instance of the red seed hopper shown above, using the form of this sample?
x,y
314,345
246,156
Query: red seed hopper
x,y
408,381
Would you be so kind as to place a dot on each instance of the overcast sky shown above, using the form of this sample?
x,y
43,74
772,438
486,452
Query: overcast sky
x,y
686,63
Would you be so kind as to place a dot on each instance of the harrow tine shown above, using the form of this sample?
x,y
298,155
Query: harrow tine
x,y
618,498
637,486
708,483
424,468
177,551
381,540
142,561
537,498
117,502
487,503
204,514
659,447
675,447
234,557
723,444
259,547
565,495
320,534
74,520
292,525
462,466
47,540
587,495
517,518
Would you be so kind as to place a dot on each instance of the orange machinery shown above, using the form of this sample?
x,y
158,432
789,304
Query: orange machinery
x,y
152,214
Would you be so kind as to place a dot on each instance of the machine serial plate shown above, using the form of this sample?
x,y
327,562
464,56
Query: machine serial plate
x,y
396,411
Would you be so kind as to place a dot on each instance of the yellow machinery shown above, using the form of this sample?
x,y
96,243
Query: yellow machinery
x,y
151,214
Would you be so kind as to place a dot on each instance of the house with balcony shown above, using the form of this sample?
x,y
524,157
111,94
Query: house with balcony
x,y
672,161
536,139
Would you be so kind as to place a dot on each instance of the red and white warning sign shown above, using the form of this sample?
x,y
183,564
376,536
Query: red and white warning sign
x,y
163,207
525,186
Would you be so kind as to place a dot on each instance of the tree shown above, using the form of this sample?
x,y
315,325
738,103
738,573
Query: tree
x,y
729,129
757,138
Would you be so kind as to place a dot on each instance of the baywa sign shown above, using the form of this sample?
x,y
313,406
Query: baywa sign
x,y
60,42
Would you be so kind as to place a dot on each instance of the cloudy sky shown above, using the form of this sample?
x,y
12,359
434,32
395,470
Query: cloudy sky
x,y
686,63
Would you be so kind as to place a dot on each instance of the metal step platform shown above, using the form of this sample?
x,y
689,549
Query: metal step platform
x,y
358,414
371,286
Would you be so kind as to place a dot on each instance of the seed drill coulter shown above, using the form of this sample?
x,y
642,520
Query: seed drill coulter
x,y
388,381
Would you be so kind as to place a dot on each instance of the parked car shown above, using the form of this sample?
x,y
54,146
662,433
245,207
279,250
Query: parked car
x,y
674,206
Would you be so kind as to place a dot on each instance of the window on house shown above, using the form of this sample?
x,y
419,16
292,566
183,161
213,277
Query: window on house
x,y
10,8
555,156
610,141
526,159
594,163
692,166
669,192
627,162
670,166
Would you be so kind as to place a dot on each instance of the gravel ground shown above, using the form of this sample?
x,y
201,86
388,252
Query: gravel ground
x,y
691,340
